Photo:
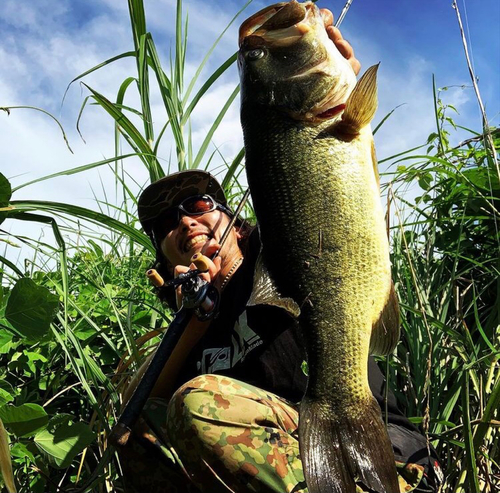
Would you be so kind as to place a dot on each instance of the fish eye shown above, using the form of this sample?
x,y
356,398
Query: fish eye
x,y
255,54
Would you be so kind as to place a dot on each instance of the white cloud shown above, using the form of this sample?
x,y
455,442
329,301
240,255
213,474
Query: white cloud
x,y
46,43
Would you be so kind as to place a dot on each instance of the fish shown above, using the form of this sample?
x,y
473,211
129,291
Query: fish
x,y
312,172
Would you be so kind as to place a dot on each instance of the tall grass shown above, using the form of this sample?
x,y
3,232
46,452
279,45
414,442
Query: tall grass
x,y
71,336
446,245
95,317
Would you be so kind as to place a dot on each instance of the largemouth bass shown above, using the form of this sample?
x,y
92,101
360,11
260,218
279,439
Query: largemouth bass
x,y
312,172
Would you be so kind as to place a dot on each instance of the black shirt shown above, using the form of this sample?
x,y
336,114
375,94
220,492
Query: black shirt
x,y
258,345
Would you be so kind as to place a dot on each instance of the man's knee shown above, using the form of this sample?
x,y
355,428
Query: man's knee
x,y
194,406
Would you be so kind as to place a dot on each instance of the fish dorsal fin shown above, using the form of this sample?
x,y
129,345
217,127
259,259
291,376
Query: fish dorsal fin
x,y
385,331
361,105
265,292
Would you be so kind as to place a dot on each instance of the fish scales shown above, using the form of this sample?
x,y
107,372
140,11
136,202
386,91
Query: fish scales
x,y
312,173
318,238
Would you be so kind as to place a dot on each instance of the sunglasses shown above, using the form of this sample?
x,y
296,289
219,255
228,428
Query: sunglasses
x,y
195,205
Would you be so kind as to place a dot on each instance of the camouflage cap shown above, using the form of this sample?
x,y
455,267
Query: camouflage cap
x,y
171,191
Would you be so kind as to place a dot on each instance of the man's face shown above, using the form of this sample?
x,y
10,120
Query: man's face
x,y
196,234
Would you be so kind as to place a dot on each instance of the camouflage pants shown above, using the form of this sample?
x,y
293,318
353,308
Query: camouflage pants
x,y
221,435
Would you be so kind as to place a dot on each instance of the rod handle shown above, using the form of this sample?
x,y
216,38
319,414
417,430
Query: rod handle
x,y
119,435
154,278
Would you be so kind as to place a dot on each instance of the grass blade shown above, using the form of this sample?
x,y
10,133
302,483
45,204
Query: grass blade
x,y
73,171
8,108
82,213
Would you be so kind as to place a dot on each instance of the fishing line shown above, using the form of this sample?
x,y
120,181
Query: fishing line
x,y
488,139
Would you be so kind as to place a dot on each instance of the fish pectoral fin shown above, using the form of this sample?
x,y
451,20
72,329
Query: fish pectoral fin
x,y
265,292
338,451
385,331
360,107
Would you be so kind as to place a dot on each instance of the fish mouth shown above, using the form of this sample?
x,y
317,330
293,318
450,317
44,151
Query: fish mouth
x,y
282,23
294,35
193,240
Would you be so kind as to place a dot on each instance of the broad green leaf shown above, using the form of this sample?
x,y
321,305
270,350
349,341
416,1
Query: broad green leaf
x,y
5,195
482,179
64,442
425,181
32,357
59,420
6,343
7,387
21,451
38,484
31,308
5,191
5,397
24,420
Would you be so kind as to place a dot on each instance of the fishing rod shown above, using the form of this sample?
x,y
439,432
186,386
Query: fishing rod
x,y
343,13
200,298
232,222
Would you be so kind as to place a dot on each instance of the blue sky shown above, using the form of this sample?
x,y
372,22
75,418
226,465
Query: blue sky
x,y
45,44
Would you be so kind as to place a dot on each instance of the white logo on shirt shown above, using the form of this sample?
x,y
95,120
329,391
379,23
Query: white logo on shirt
x,y
243,340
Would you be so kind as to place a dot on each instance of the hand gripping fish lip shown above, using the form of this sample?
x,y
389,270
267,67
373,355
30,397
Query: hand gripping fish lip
x,y
280,37
278,17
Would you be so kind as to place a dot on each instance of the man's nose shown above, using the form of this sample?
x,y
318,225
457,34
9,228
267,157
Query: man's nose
x,y
185,222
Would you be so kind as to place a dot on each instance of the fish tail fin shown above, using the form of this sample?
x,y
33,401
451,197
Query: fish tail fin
x,y
336,452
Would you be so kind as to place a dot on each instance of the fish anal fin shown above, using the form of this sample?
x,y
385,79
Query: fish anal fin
x,y
336,452
360,107
385,331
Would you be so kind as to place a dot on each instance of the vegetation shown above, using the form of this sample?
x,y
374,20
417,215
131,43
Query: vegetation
x,y
445,371
78,319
